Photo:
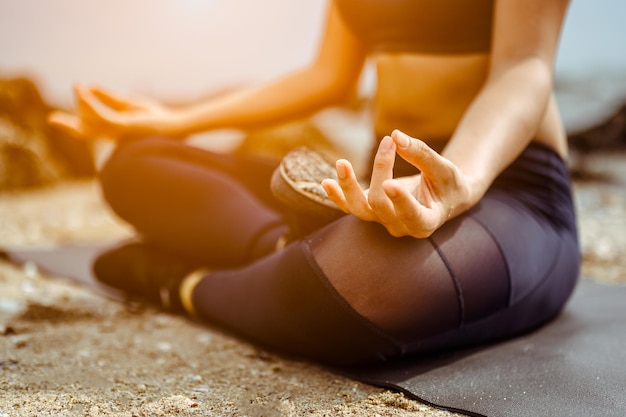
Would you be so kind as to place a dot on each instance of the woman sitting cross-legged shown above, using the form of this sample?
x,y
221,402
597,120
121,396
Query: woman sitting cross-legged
x,y
466,233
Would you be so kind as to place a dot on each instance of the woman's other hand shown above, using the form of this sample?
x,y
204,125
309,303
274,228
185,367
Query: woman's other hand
x,y
408,206
103,113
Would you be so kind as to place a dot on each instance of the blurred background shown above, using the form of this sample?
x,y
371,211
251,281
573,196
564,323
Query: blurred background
x,y
174,49
185,48
182,50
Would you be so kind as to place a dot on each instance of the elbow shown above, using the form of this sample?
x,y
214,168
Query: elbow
x,y
337,94
533,72
341,96
334,89
527,82
541,74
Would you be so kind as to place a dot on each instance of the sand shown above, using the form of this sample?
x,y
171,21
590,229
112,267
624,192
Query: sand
x,y
67,351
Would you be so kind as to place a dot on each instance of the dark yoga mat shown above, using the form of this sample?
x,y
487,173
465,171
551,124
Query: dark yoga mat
x,y
72,262
575,365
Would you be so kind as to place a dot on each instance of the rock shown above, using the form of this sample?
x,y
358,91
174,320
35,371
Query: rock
x,y
610,134
31,152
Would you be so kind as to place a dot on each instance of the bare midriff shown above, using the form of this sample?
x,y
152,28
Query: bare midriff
x,y
426,96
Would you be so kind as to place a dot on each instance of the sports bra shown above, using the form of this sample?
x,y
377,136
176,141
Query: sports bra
x,y
420,26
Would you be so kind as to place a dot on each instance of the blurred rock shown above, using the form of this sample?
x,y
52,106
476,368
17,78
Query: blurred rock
x,y
31,152
609,134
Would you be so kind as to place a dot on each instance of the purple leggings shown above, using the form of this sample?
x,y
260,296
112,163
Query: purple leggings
x,y
504,267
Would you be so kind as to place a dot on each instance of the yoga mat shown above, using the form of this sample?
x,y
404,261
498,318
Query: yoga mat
x,y
72,262
575,365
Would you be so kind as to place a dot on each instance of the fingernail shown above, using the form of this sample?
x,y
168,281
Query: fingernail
x,y
402,139
385,144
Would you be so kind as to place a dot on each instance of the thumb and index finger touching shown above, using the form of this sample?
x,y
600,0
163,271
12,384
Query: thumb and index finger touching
x,y
109,98
432,165
418,153
91,104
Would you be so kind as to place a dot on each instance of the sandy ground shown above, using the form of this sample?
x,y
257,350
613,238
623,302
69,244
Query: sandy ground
x,y
66,351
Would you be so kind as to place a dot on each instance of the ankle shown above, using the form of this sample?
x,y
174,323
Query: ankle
x,y
146,272
187,286
267,241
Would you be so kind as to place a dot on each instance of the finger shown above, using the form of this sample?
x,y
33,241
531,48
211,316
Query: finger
x,y
84,103
110,99
419,154
335,193
383,162
67,122
381,172
89,107
355,197
417,220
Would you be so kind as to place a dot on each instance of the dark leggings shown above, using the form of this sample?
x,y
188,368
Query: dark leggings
x,y
506,266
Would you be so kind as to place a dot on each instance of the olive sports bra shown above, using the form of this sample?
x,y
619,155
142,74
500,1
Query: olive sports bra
x,y
420,26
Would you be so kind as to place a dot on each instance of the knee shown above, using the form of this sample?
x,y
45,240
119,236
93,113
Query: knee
x,y
124,157
124,168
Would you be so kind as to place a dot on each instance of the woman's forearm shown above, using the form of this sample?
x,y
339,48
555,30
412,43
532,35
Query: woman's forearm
x,y
500,122
293,96
328,80
510,109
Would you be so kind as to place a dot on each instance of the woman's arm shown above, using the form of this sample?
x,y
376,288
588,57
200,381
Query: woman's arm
x,y
329,80
508,111
498,125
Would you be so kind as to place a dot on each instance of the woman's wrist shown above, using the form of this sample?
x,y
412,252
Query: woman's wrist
x,y
184,121
470,195
167,121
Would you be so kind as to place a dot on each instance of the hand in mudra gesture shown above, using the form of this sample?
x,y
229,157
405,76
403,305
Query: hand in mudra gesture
x,y
407,206
103,113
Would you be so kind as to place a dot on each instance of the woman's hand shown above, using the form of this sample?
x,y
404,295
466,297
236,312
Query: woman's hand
x,y
408,206
102,113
